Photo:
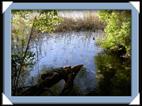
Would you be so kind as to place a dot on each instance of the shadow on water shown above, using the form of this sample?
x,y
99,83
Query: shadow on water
x,y
113,75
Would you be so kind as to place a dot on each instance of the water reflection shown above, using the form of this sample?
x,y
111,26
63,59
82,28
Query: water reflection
x,y
113,75
69,49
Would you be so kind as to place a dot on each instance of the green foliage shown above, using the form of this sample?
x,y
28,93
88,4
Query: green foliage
x,y
27,26
28,61
47,21
27,23
24,20
44,20
114,64
117,30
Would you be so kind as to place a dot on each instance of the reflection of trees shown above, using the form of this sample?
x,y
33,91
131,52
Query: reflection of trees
x,y
113,76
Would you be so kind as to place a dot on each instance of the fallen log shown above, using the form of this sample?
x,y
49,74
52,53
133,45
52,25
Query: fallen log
x,y
52,77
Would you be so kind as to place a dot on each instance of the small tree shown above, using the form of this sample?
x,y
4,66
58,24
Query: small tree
x,y
26,26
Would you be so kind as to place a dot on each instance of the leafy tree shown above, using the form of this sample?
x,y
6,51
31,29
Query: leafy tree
x,y
117,30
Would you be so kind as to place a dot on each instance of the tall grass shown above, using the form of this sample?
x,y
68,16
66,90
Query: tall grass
x,y
90,22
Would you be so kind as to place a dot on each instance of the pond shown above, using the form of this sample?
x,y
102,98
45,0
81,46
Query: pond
x,y
69,49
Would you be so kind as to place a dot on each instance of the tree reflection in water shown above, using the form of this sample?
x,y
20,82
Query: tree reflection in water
x,y
113,76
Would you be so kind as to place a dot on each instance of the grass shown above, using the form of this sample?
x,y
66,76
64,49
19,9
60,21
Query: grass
x,y
88,23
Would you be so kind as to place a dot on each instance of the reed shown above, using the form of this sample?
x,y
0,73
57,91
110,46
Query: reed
x,y
88,23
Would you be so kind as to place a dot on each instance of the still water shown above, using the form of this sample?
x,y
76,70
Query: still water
x,y
69,49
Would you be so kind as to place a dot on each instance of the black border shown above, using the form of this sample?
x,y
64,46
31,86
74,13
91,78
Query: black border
x,y
1,50
68,1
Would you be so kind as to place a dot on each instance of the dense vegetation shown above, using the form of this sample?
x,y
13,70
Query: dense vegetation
x,y
117,30
114,64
